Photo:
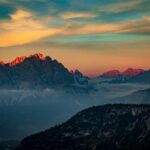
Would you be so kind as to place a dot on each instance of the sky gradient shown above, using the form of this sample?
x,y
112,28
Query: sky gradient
x,y
90,35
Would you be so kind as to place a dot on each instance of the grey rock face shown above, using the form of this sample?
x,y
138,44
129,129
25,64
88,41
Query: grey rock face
x,y
35,71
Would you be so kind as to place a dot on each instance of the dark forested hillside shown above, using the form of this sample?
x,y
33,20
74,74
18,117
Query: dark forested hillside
x,y
109,127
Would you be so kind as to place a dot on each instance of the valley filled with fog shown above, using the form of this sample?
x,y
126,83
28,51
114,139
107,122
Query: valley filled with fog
x,y
25,111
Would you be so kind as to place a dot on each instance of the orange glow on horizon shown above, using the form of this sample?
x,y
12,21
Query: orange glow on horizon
x,y
89,65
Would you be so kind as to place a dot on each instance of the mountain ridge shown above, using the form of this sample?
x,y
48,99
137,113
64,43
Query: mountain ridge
x,y
112,126
130,72
37,70
34,71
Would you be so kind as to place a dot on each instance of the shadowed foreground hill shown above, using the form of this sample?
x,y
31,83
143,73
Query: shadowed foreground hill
x,y
109,127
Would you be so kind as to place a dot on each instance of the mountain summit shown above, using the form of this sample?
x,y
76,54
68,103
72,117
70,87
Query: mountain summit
x,y
38,56
1,63
20,59
130,72
111,74
34,71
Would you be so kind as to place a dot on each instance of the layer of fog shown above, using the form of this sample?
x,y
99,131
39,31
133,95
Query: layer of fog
x,y
24,112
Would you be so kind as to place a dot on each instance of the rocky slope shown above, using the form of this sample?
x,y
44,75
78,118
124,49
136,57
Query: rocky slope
x,y
34,71
80,78
109,127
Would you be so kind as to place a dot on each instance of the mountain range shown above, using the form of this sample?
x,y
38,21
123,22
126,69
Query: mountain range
x,y
139,76
143,77
37,71
108,127
34,71
130,72
37,92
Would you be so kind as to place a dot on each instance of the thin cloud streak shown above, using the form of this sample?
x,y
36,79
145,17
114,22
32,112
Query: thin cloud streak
x,y
23,28
71,15
120,6
134,26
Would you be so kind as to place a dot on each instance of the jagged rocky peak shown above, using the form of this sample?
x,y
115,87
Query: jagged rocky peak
x,y
36,71
79,77
38,55
18,60
111,73
77,73
72,72
132,72
48,58
1,63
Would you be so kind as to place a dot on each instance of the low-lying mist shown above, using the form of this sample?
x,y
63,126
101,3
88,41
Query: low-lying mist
x,y
24,112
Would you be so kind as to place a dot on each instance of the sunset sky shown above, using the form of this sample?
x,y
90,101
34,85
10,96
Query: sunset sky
x,y
90,35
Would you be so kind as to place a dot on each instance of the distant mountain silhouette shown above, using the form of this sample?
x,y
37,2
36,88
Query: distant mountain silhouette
x,y
34,71
38,71
143,77
1,63
130,72
111,74
109,127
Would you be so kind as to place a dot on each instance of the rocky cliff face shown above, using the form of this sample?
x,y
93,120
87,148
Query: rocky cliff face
x,y
109,127
80,78
34,71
